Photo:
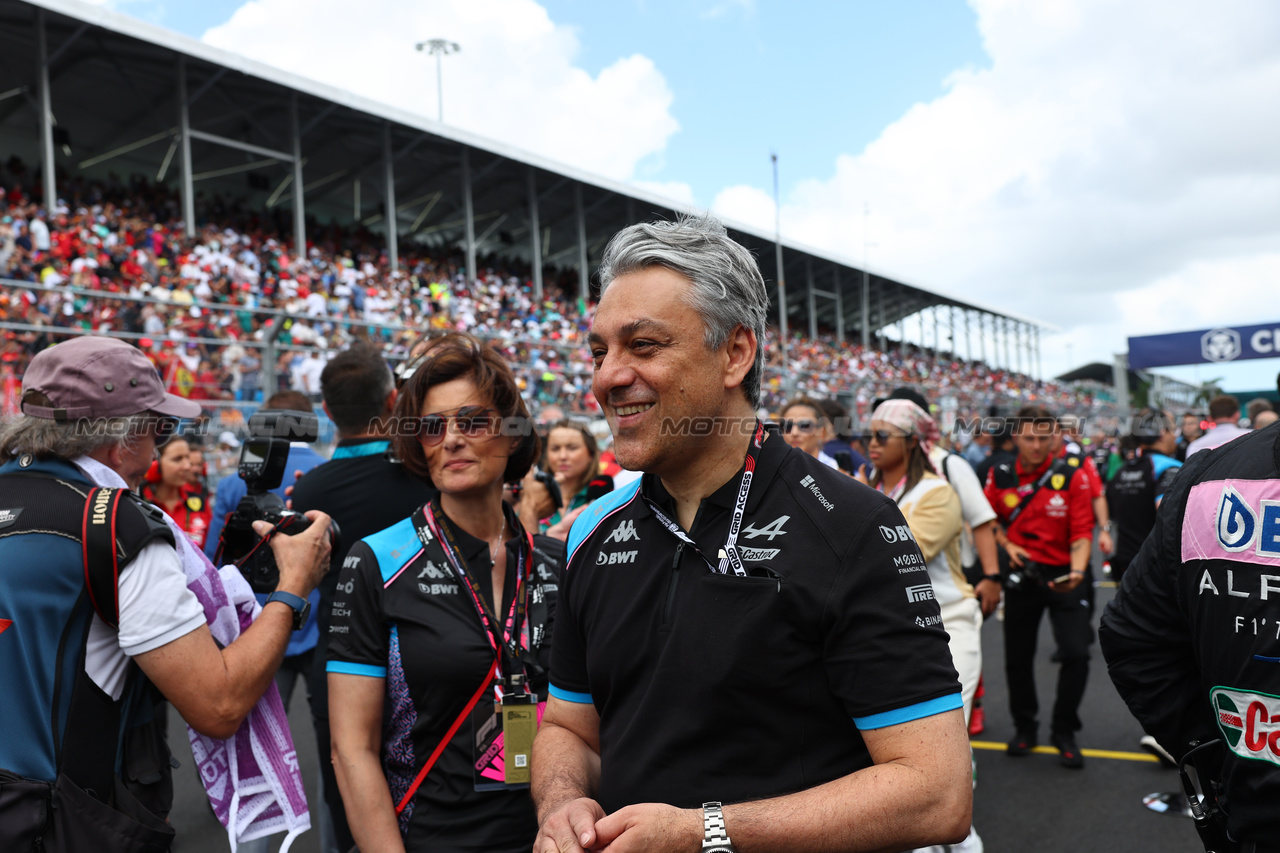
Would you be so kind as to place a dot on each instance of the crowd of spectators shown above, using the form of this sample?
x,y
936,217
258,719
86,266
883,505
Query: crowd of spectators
x,y
200,304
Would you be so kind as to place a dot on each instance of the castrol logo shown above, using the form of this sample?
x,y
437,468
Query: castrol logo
x,y
1250,723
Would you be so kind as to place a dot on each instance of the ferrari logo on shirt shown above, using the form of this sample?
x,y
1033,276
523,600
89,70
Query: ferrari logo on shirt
x,y
1073,461
195,504
1010,500
1057,481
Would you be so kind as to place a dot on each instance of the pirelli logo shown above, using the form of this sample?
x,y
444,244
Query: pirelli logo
x,y
100,500
920,592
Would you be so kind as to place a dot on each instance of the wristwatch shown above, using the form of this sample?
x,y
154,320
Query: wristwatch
x,y
715,839
300,606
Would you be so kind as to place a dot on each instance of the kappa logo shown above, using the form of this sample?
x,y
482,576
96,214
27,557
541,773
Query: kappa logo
x,y
624,532
1239,526
900,533
772,529
1250,723
431,571
812,485
438,588
920,592
617,558
757,555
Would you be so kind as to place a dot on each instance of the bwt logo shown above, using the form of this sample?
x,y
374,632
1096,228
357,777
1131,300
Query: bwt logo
x,y
1220,345
893,535
920,592
616,559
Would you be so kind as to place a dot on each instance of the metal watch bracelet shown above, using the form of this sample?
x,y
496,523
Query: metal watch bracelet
x,y
715,839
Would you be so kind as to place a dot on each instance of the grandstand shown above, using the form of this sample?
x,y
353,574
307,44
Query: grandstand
x,y
219,154
87,92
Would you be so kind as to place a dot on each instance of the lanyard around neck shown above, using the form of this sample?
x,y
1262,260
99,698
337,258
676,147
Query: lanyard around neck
x,y
729,556
431,523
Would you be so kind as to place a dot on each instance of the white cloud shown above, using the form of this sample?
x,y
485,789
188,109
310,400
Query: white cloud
x,y
1114,161
514,79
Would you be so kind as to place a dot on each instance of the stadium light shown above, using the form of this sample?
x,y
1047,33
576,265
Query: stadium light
x,y
439,48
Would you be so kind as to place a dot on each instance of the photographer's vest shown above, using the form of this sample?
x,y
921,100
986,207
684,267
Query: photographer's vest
x,y
74,763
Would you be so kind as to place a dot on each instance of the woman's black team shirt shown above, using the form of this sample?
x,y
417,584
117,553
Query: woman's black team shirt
x,y
719,687
404,617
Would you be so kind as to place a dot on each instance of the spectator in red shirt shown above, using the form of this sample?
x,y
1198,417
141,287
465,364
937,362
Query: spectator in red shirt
x,y
1045,507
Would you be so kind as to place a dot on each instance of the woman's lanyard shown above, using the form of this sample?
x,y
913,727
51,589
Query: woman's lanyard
x,y
431,523
896,494
729,553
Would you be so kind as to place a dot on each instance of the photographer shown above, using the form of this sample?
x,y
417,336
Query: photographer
x,y
92,410
364,490
1046,509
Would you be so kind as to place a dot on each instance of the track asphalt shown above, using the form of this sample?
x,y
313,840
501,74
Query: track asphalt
x,y
1021,805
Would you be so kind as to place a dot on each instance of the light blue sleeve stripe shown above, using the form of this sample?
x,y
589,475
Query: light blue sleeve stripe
x,y
570,696
911,712
356,669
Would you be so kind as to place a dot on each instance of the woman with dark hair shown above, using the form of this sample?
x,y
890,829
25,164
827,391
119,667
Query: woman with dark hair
x,y
441,628
902,434
573,458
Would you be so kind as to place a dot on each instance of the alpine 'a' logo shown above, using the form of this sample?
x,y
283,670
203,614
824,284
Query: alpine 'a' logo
x,y
624,532
1236,521
772,529
1250,723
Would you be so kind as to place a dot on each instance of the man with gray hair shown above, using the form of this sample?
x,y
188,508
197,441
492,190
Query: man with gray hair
x,y
91,583
747,649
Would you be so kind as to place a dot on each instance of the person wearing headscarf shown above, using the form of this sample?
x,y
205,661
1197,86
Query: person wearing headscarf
x,y
902,434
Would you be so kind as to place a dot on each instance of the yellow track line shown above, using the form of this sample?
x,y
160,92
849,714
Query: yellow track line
x,y
1088,753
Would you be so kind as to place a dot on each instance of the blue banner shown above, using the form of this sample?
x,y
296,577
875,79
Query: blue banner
x,y
1211,346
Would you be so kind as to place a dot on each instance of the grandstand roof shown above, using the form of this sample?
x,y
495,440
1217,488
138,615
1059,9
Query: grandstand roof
x,y
113,92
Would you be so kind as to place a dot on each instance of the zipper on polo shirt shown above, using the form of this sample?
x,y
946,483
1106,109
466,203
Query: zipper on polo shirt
x,y
675,580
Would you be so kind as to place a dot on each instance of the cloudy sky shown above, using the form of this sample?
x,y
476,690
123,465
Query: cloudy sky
x,y
1109,168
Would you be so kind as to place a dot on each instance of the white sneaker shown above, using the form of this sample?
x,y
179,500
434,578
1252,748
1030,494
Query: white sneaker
x,y
1152,746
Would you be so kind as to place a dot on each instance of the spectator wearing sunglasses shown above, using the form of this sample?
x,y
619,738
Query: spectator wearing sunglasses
x,y
805,427
902,436
448,610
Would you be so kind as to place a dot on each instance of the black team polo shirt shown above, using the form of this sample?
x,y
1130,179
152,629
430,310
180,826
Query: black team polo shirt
x,y
719,687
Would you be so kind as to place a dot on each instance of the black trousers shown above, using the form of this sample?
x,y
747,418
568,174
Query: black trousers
x,y
1071,616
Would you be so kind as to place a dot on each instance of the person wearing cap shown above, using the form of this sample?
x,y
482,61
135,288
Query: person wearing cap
x,y
78,610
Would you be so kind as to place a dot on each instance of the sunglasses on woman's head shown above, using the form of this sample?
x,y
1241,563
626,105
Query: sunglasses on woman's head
x,y
471,421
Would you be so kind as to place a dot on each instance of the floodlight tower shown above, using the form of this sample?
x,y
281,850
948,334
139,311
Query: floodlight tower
x,y
439,48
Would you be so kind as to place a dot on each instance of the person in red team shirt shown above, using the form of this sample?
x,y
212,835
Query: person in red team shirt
x,y
1044,505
